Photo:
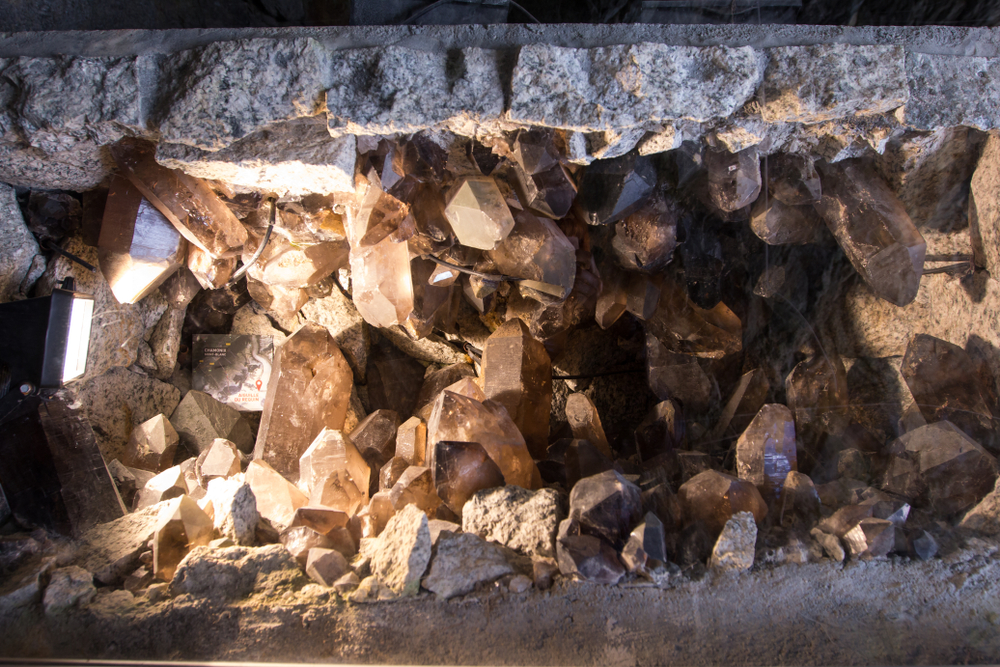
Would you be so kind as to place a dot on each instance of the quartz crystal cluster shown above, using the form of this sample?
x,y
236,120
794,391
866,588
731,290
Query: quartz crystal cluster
x,y
494,360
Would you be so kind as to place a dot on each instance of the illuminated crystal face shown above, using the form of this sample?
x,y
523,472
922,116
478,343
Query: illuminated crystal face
x,y
308,390
152,445
539,253
138,247
187,202
714,497
333,473
733,178
517,374
459,418
277,498
382,283
765,452
478,213
211,273
585,421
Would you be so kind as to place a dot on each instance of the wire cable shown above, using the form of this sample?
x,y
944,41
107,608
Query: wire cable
x,y
263,244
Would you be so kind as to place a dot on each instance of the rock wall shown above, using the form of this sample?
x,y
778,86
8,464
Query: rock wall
x,y
249,107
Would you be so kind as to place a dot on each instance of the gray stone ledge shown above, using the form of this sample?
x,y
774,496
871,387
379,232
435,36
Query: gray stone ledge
x,y
948,90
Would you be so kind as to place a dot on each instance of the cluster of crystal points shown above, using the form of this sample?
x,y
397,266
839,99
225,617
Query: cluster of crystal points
x,y
511,260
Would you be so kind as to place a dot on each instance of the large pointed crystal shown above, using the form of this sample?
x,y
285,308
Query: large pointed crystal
x,y
585,422
463,419
333,473
138,247
382,286
539,253
152,445
873,228
765,453
187,202
478,213
277,498
942,378
415,487
606,505
308,390
183,525
517,374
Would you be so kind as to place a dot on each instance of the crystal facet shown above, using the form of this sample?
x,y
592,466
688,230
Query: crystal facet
x,y
333,473
733,178
187,202
152,445
309,389
460,470
138,248
517,374
645,240
539,253
765,453
605,505
585,421
873,228
277,498
612,189
714,497
478,213
678,377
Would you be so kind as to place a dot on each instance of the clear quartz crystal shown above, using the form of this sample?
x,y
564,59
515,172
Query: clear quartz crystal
x,y
187,202
873,228
382,286
478,214
277,498
138,248
308,390
765,452
733,178
332,473
211,273
517,374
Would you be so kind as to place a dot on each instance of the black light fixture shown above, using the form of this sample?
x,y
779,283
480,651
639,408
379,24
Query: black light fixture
x,y
45,340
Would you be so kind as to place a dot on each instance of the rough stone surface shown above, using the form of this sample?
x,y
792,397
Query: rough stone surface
x,y
292,158
811,84
59,112
69,587
200,419
111,550
615,87
526,521
18,248
118,401
117,329
401,553
412,90
217,94
734,550
462,562
950,90
235,572
165,342
984,208
235,509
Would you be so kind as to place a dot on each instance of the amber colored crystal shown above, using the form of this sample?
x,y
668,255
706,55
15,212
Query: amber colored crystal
x,y
612,300
733,178
333,473
152,445
872,227
816,391
430,301
747,398
585,422
517,374
375,437
687,328
183,525
277,498
166,485
459,418
942,378
187,202
287,265
284,302
138,248
478,214
415,487
308,390
645,240
323,520
792,179
411,441
642,295
221,459
376,515
799,499
765,452
390,473
211,273
646,545
382,287
714,497
549,193
380,216
460,470
583,459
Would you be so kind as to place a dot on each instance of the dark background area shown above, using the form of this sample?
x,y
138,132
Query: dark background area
x,y
23,15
